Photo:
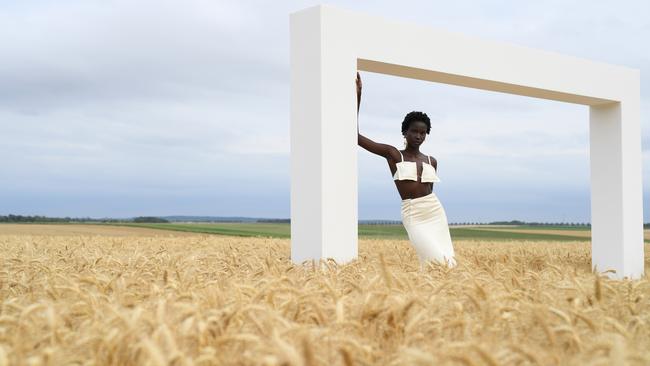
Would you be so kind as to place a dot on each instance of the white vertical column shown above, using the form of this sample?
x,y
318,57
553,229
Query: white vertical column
x,y
305,140
324,212
616,190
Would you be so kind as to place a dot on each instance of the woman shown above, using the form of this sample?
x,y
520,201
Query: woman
x,y
414,173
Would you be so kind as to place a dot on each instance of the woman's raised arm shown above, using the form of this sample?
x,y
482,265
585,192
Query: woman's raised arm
x,y
384,150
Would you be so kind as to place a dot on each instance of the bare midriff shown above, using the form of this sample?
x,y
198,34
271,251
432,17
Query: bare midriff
x,y
412,189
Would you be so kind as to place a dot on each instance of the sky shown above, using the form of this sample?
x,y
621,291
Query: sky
x,y
132,108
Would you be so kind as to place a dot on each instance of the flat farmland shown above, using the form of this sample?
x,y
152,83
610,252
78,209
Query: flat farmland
x,y
84,229
487,232
201,299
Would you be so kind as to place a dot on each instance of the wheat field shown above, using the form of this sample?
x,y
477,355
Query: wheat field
x,y
216,300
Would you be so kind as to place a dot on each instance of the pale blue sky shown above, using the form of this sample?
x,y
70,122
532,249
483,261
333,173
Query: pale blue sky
x,y
126,108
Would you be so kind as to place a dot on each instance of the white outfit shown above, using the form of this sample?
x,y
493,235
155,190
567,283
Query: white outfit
x,y
424,218
408,170
425,221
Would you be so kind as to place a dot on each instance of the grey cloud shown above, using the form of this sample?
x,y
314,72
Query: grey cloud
x,y
130,52
119,108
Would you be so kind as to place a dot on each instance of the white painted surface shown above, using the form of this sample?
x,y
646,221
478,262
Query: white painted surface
x,y
328,46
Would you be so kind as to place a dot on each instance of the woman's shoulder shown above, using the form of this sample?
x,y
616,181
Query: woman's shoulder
x,y
434,162
426,157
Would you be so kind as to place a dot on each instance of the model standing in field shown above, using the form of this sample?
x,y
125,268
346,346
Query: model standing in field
x,y
414,173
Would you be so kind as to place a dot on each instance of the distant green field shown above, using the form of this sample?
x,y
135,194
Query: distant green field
x,y
534,227
281,230
226,228
509,234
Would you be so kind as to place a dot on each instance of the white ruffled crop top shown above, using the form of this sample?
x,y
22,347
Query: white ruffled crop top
x,y
407,170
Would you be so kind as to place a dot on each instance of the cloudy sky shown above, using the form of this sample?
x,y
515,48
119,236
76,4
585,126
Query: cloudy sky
x,y
126,108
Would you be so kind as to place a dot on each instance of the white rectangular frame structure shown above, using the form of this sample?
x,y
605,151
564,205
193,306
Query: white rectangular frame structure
x,y
328,46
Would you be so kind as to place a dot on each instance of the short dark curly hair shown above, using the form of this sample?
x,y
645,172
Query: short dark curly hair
x,y
415,116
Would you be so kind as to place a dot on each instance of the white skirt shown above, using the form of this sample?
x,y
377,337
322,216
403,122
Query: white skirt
x,y
425,221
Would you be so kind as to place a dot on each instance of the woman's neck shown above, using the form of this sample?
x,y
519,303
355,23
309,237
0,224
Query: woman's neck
x,y
415,150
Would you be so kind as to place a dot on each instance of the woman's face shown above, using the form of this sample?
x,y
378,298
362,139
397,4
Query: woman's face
x,y
416,133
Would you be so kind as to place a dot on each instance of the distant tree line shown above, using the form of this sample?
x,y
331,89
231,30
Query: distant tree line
x,y
512,222
516,222
45,219
365,222
149,219
37,218
380,222
532,223
154,219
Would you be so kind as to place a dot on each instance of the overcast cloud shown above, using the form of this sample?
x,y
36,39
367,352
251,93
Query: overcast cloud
x,y
125,108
